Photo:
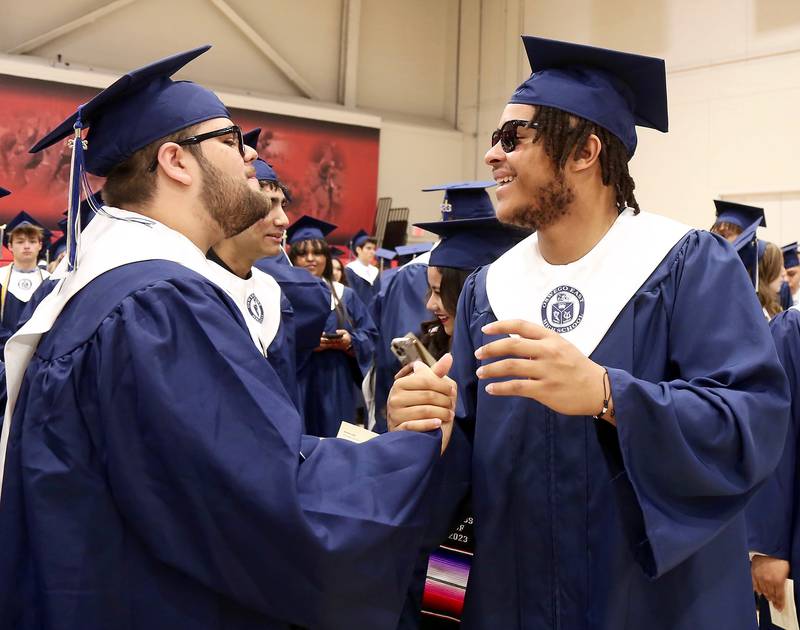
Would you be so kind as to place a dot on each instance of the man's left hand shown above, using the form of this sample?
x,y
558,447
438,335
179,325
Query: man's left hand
x,y
544,366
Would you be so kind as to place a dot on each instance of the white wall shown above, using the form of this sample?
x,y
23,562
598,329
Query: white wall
x,y
437,75
734,91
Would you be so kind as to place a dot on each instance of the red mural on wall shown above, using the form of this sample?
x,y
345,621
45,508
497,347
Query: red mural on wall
x,y
330,168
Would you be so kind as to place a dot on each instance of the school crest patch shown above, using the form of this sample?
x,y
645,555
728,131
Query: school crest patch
x,y
255,308
562,309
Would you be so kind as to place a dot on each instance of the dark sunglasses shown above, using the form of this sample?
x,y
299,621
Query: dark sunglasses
x,y
233,129
507,134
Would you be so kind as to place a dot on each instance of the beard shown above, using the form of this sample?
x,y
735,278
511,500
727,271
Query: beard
x,y
229,201
550,202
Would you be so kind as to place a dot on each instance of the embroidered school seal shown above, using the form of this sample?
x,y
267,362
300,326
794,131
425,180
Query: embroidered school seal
x,y
562,309
25,284
255,309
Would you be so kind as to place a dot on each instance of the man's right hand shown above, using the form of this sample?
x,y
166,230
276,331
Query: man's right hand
x,y
423,399
769,576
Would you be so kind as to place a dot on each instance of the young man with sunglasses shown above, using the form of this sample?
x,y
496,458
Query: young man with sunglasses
x,y
613,431
155,475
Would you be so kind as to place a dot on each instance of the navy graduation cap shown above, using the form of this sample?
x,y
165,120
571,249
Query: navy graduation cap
x,y
23,219
465,200
251,138
4,192
264,172
405,253
790,257
614,89
750,249
359,239
58,246
308,228
471,243
137,109
385,254
336,252
739,214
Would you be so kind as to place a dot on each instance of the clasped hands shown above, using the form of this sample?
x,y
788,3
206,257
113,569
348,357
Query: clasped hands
x,y
532,362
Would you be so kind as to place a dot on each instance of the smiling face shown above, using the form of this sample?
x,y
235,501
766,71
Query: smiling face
x,y
530,192
312,256
264,237
435,304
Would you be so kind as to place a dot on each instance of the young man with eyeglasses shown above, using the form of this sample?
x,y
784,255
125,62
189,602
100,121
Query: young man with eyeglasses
x,y
155,475
619,410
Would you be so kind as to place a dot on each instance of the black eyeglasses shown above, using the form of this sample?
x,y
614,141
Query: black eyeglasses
x,y
233,129
507,134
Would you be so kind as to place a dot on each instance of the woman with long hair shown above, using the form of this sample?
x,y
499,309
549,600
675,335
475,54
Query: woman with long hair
x,y
330,382
770,278
764,262
470,237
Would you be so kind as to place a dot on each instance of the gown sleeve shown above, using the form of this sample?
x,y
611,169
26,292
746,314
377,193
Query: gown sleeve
x,y
697,445
364,332
207,464
772,514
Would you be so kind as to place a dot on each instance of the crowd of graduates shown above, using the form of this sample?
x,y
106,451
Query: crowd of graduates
x,y
599,439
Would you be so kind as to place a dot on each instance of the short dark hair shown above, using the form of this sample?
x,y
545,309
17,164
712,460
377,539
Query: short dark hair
x,y
369,239
564,134
132,182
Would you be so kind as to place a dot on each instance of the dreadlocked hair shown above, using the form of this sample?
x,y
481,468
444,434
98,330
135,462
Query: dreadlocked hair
x,y
564,135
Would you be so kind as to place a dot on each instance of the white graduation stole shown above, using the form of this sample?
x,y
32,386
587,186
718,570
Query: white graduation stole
x,y
337,294
259,300
365,272
582,299
106,244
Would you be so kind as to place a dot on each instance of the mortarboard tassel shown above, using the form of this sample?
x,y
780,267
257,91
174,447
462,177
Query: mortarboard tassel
x,y
77,144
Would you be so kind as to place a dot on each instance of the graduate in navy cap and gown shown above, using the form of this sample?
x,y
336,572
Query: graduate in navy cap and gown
x,y
733,218
791,287
764,263
362,275
24,236
616,415
470,237
399,307
771,514
330,384
397,310
154,471
265,309
305,299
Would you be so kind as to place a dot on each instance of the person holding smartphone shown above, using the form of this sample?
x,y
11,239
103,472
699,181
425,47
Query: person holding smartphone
x,y
470,237
330,382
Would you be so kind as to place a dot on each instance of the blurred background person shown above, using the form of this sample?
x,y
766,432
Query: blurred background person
x,y
330,382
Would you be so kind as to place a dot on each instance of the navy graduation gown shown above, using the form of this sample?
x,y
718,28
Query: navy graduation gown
x,y
772,516
330,383
157,478
785,296
310,300
583,526
14,306
399,308
364,290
